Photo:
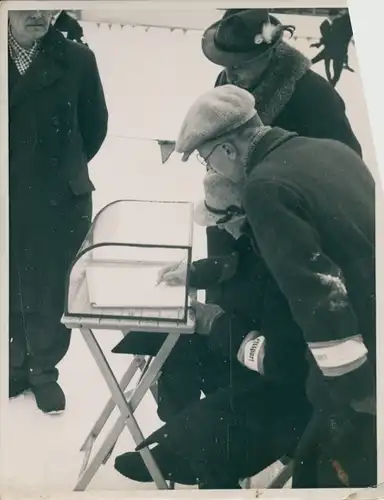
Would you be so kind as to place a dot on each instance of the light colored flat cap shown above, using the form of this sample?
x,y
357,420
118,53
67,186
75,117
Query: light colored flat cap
x,y
213,114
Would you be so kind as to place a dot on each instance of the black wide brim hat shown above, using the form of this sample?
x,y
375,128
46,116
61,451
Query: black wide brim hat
x,y
238,27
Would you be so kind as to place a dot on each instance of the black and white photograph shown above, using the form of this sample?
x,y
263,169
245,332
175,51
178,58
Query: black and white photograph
x,y
191,240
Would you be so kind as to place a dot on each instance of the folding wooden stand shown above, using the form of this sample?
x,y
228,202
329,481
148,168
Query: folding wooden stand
x,y
127,402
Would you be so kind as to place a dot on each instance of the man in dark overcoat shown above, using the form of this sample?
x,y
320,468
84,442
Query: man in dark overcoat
x,y
57,123
310,204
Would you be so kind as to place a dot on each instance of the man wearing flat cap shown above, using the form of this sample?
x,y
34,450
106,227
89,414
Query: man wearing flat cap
x,y
310,204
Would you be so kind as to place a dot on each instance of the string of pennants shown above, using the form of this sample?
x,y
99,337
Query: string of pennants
x,y
184,30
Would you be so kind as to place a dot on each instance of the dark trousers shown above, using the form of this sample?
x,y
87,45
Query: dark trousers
x,y
42,247
37,344
192,368
236,432
244,424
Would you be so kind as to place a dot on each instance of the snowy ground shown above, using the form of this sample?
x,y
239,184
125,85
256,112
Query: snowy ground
x,y
150,78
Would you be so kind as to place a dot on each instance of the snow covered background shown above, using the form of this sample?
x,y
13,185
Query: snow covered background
x,y
150,78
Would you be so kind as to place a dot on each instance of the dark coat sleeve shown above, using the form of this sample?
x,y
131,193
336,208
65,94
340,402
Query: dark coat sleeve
x,y
311,282
92,108
212,271
321,112
291,248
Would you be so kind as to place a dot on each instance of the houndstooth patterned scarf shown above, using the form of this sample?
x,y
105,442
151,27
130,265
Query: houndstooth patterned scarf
x,y
22,57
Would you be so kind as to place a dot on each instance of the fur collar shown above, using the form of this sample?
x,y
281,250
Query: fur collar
x,y
278,83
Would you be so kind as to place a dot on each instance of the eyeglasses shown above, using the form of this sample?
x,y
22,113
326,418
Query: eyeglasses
x,y
204,160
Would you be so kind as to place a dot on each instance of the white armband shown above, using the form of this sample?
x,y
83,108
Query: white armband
x,y
340,357
252,351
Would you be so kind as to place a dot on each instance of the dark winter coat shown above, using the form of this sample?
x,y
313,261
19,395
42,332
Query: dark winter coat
x,y
57,123
296,99
311,207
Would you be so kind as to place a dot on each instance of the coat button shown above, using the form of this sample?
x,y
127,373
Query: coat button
x,y
54,162
53,203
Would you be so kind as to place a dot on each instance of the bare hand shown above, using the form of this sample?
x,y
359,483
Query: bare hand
x,y
205,315
174,274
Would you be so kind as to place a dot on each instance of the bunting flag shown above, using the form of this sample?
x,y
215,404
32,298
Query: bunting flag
x,y
185,30
166,149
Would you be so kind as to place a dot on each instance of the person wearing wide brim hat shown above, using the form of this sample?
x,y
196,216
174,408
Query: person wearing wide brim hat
x,y
242,35
287,93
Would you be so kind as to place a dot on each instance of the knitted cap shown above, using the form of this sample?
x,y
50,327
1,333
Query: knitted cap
x,y
213,114
220,195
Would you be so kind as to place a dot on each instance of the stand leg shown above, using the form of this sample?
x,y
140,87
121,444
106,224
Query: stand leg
x,y
246,483
87,474
154,370
136,364
127,408
282,477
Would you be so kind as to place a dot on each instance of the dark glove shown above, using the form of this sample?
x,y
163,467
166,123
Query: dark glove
x,y
335,421
355,389
321,439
